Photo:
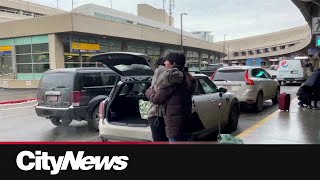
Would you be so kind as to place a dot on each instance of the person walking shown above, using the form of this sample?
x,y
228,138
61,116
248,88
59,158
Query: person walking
x,y
162,78
176,100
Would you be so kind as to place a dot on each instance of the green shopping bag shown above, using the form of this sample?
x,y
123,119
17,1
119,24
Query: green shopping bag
x,y
144,108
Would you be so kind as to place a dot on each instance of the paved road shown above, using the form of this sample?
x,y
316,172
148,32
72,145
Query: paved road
x,y
20,123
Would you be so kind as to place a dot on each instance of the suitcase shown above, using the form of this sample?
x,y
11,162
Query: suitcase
x,y
226,138
284,102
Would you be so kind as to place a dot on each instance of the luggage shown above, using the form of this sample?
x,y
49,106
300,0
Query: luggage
x,y
226,138
284,102
229,139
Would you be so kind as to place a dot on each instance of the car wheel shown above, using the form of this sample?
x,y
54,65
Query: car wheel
x,y
60,122
275,100
103,139
94,121
233,119
259,103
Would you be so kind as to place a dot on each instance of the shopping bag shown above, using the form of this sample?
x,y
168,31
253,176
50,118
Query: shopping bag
x,y
144,108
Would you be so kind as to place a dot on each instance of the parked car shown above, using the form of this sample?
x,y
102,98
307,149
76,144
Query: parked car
x,y
120,117
211,68
252,85
74,94
293,70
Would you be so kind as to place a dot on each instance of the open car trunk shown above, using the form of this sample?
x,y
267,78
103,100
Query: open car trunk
x,y
124,108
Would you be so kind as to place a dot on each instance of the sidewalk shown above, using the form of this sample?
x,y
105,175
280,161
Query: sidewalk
x,y
298,126
8,96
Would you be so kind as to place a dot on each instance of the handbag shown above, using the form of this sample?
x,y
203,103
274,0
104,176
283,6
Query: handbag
x,y
144,108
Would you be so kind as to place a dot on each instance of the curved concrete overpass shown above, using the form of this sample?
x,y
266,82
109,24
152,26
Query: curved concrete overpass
x,y
271,45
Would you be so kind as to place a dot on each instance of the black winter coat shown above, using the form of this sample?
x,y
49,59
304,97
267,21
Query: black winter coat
x,y
314,80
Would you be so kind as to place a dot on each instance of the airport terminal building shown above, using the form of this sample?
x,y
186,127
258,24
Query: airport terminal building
x,y
34,39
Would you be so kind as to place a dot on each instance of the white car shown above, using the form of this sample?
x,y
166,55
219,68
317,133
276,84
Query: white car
x,y
252,85
120,118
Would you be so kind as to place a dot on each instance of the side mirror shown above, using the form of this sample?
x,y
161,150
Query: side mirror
x,y
273,77
222,91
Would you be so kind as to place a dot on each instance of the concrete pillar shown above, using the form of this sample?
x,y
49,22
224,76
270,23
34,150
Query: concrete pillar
x,y
56,51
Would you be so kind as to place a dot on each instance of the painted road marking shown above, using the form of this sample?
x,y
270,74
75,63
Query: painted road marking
x,y
258,124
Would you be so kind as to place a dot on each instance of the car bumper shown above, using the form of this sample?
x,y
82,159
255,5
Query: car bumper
x,y
248,97
123,133
69,112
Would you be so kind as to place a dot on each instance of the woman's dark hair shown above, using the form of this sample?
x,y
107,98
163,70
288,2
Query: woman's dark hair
x,y
160,61
177,59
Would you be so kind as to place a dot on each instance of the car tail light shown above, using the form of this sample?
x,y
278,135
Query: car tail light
x,y
102,109
212,77
76,97
247,79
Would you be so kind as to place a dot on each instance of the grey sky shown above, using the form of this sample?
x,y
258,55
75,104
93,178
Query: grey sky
x,y
236,18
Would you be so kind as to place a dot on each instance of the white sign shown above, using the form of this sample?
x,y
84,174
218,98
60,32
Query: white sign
x,y
28,83
316,25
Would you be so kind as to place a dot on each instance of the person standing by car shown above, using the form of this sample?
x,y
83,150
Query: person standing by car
x,y
162,78
176,100
314,82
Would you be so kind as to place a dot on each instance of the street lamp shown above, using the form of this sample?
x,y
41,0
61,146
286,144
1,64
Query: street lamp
x,y
224,41
181,32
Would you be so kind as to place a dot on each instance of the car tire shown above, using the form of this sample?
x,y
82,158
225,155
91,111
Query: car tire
x,y
259,102
103,139
275,100
93,122
233,119
60,122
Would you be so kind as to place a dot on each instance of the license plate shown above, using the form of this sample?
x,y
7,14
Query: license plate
x,y
52,98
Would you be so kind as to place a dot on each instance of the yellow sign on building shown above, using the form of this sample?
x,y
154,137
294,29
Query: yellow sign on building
x,y
85,47
5,48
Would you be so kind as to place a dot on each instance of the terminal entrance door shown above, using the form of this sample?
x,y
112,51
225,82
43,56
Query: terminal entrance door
x,y
5,64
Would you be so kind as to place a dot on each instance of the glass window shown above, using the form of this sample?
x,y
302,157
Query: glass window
x,y
22,49
108,79
40,58
258,73
24,68
230,75
24,58
115,48
208,86
40,39
40,48
22,40
91,80
40,68
53,80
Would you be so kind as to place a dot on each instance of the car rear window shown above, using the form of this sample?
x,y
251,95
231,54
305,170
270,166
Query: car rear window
x,y
56,80
214,67
230,75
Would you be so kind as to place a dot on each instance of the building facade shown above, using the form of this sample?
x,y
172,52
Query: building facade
x,y
31,46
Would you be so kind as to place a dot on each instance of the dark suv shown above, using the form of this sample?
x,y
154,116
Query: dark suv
x,y
74,94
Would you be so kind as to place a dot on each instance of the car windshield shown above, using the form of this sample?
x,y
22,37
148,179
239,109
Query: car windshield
x,y
56,80
230,75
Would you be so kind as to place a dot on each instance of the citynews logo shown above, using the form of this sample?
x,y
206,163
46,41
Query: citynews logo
x,y
42,161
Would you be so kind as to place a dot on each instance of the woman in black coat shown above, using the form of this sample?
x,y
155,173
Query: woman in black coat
x,y
314,82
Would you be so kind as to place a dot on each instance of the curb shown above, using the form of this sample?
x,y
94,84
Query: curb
x,y
17,101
